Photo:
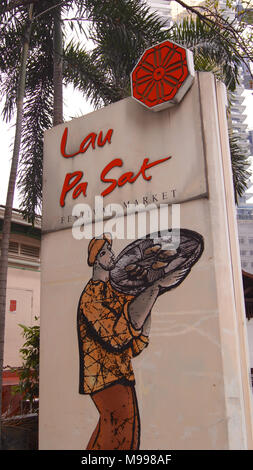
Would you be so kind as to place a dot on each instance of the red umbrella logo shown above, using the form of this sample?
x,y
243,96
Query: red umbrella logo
x,y
162,76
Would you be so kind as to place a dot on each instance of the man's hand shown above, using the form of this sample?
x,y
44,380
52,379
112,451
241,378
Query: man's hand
x,y
171,278
146,326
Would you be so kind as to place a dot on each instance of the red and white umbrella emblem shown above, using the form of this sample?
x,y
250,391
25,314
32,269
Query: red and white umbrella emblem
x,y
162,76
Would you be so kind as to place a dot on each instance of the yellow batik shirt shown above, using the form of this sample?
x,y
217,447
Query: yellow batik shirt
x,y
107,340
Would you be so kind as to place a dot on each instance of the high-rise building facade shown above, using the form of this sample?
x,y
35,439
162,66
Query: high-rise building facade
x,y
162,7
251,141
245,232
175,13
238,116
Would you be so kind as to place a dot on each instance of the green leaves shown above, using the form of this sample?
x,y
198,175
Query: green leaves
x,y
29,373
37,118
86,76
240,166
121,31
212,51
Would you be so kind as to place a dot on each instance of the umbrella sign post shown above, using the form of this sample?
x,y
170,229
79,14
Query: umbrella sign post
x,y
142,303
162,76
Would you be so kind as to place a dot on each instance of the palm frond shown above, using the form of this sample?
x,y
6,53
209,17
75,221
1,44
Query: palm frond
x,y
37,118
121,31
86,76
212,52
240,166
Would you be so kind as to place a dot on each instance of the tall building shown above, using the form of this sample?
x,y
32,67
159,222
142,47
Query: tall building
x,y
238,116
175,13
251,141
162,7
245,231
171,10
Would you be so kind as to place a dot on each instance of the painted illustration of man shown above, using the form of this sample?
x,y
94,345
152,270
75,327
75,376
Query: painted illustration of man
x,y
113,328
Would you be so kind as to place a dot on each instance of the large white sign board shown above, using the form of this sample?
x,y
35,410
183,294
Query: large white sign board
x,y
192,381
132,141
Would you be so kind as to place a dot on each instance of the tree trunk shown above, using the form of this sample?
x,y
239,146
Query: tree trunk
x,y
19,3
10,197
58,95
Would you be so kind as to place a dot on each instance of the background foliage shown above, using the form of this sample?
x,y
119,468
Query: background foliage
x,y
28,385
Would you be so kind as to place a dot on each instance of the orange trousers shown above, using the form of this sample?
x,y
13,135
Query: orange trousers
x,y
118,427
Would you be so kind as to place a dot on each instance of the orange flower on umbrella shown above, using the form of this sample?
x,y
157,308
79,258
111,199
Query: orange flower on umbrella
x,y
159,74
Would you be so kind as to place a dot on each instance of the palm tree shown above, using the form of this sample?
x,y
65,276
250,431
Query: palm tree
x,y
121,31
211,52
240,166
39,80
16,29
130,22
57,63
11,188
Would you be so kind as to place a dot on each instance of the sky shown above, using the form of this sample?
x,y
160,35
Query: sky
x,y
75,105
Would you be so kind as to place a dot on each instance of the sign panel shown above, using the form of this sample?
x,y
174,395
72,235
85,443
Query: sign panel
x,y
142,347
162,76
115,153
